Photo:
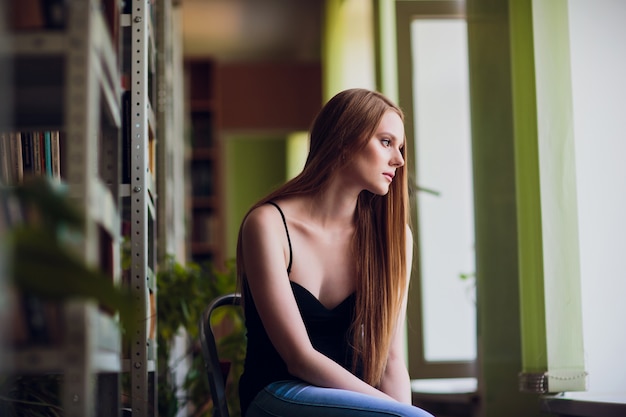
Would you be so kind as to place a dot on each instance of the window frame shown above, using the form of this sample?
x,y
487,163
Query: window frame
x,y
406,12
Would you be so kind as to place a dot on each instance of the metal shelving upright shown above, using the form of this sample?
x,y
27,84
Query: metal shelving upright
x,y
142,196
155,158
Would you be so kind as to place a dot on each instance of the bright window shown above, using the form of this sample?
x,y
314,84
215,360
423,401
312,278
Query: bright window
x,y
445,220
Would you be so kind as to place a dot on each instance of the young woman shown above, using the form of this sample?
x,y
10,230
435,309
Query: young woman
x,y
323,264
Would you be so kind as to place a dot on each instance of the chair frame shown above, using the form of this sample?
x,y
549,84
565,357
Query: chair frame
x,y
217,378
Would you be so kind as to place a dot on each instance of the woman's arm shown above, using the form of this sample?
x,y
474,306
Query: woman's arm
x,y
396,381
265,252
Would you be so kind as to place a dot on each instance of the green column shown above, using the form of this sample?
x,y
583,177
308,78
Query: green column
x,y
528,189
386,55
347,46
499,344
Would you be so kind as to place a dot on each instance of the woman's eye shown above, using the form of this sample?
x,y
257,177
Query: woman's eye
x,y
386,142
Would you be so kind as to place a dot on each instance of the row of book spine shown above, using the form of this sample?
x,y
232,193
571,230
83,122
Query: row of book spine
x,y
25,154
37,14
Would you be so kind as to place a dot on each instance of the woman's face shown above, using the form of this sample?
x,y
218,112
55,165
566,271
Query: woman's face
x,y
374,167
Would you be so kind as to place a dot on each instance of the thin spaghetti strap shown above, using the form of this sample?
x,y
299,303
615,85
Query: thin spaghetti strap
x,y
287,231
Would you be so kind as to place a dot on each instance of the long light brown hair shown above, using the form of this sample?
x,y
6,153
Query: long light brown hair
x,y
342,128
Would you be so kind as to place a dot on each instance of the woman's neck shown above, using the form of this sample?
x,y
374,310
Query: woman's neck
x,y
330,209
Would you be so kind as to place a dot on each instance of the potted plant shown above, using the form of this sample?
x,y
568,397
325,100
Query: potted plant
x,y
184,291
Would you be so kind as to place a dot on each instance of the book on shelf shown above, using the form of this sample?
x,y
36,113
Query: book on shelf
x,y
34,320
204,227
126,7
55,149
152,319
152,156
47,153
17,166
202,129
27,154
4,167
23,154
36,149
18,327
42,319
112,15
37,14
55,13
41,156
202,183
26,14
126,137
12,167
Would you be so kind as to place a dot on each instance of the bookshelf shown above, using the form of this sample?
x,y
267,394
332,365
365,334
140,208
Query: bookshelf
x,y
205,201
170,124
5,300
64,90
101,82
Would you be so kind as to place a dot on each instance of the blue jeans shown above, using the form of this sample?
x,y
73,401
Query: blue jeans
x,y
298,399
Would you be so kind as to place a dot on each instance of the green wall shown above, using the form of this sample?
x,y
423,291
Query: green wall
x,y
386,48
255,164
348,58
297,152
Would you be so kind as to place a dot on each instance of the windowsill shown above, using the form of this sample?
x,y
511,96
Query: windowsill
x,y
445,385
569,404
454,390
586,404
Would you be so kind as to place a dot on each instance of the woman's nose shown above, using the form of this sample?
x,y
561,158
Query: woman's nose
x,y
398,159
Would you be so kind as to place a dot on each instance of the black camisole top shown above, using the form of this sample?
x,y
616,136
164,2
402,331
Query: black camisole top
x,y
328,330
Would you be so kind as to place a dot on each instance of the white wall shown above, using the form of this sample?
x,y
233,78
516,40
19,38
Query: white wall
x,y
598,53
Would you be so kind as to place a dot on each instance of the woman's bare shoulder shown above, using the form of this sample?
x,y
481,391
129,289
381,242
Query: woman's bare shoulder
x,y
265,248
262,218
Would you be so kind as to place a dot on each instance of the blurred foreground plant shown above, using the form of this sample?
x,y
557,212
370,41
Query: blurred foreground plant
x,y
42,224
42,262
183,294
